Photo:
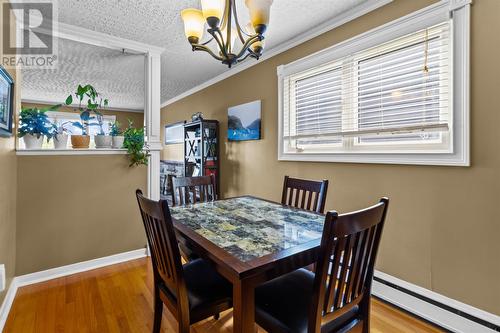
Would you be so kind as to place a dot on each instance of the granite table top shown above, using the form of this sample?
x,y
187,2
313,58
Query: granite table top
x,y
248,227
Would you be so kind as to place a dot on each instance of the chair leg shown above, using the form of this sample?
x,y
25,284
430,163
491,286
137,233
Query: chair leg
x,y
365,313
217,316
184,327
158,312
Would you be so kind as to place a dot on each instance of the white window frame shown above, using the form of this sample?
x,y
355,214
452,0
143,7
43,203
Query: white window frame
x,y
458,153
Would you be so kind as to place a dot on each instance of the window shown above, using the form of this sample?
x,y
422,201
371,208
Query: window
x,y
68,118
384,97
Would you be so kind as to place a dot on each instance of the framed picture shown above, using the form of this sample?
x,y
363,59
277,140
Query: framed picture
x,y
244,122
6,102
174,133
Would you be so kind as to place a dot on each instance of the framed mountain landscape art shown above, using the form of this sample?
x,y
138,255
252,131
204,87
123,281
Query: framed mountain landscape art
x,y
244,122
6,102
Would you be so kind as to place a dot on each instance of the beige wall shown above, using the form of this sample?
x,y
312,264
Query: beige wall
x,y
8,170
76,208
173,152
443,228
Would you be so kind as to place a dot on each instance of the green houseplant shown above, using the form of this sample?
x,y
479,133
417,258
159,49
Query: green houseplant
x,y
116,135
89,101
137,149
34,125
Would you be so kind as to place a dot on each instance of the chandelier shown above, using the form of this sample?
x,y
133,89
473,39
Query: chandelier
x,y
223,27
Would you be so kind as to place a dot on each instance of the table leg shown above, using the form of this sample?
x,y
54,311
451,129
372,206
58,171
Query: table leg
x,y
244,307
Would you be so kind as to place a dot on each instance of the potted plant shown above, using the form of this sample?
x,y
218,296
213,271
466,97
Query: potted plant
x,y
116,135
34,125
137,149
101,139
89,100
61,134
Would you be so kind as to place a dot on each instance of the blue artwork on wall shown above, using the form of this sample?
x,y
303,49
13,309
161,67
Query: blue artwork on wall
x,y
244,122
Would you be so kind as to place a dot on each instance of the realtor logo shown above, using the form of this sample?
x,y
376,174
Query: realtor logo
x,y
28,34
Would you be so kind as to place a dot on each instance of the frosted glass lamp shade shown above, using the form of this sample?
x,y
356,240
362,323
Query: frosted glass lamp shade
x,y
260,11
213,11
258,46
194,24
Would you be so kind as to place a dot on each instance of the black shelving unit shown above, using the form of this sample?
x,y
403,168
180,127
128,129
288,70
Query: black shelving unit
x,y
201,149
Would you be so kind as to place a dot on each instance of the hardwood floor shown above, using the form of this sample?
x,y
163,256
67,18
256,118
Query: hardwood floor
x,y
118,299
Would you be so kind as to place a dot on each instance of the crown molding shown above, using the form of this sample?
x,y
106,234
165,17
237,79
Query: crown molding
x,y
51,102
337,21
82,35
91,37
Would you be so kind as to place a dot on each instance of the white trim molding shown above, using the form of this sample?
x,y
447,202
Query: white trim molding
x,y
431,312
83,266
58,272
459,11
91,37
65,152
341,19
7,303
50,102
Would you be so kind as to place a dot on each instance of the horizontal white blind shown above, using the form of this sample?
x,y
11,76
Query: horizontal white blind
x,y
397,92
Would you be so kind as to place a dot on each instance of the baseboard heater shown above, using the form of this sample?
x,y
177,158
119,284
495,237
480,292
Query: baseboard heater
x,y
410,298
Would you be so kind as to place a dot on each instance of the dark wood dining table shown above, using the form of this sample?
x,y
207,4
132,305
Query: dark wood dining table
x,y
249,241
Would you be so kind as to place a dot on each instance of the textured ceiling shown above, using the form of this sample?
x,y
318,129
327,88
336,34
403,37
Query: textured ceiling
x,y
158,22
117,76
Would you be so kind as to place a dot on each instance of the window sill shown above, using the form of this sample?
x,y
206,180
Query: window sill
x,y
457,159
83,151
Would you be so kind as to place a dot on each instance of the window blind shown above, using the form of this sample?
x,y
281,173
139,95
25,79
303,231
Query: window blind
x,y
397,92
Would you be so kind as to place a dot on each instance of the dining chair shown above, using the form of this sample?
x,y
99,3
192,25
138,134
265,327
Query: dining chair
x,y
192,292
187,190
337,297
305,194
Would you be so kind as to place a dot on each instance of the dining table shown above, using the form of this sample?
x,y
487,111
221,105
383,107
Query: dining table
x,y
249,241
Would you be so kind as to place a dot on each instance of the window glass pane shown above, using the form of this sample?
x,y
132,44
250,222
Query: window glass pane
x,y
402,88
318,106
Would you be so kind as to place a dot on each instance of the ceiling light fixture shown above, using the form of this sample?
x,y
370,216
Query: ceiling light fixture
x,y
223,26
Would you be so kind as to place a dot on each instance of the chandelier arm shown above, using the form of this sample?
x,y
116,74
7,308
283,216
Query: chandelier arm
x,y
248,43
246,56
238,27
200,47
220,41
231,4
207,42
225,16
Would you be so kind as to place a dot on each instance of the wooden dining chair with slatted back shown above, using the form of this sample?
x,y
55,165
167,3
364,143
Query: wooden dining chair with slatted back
x,y
188,297
305,194
190,190
337,297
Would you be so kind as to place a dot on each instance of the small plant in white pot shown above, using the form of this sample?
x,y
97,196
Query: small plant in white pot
x,y
101,139
116,135
61,135
34,125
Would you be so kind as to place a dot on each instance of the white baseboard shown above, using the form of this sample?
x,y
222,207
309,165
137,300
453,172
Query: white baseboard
x,y
79,267
435,314
57,272
7,303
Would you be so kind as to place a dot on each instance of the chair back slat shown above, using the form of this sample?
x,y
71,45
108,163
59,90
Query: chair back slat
x,y
344,270
190,190
304,194
165,254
